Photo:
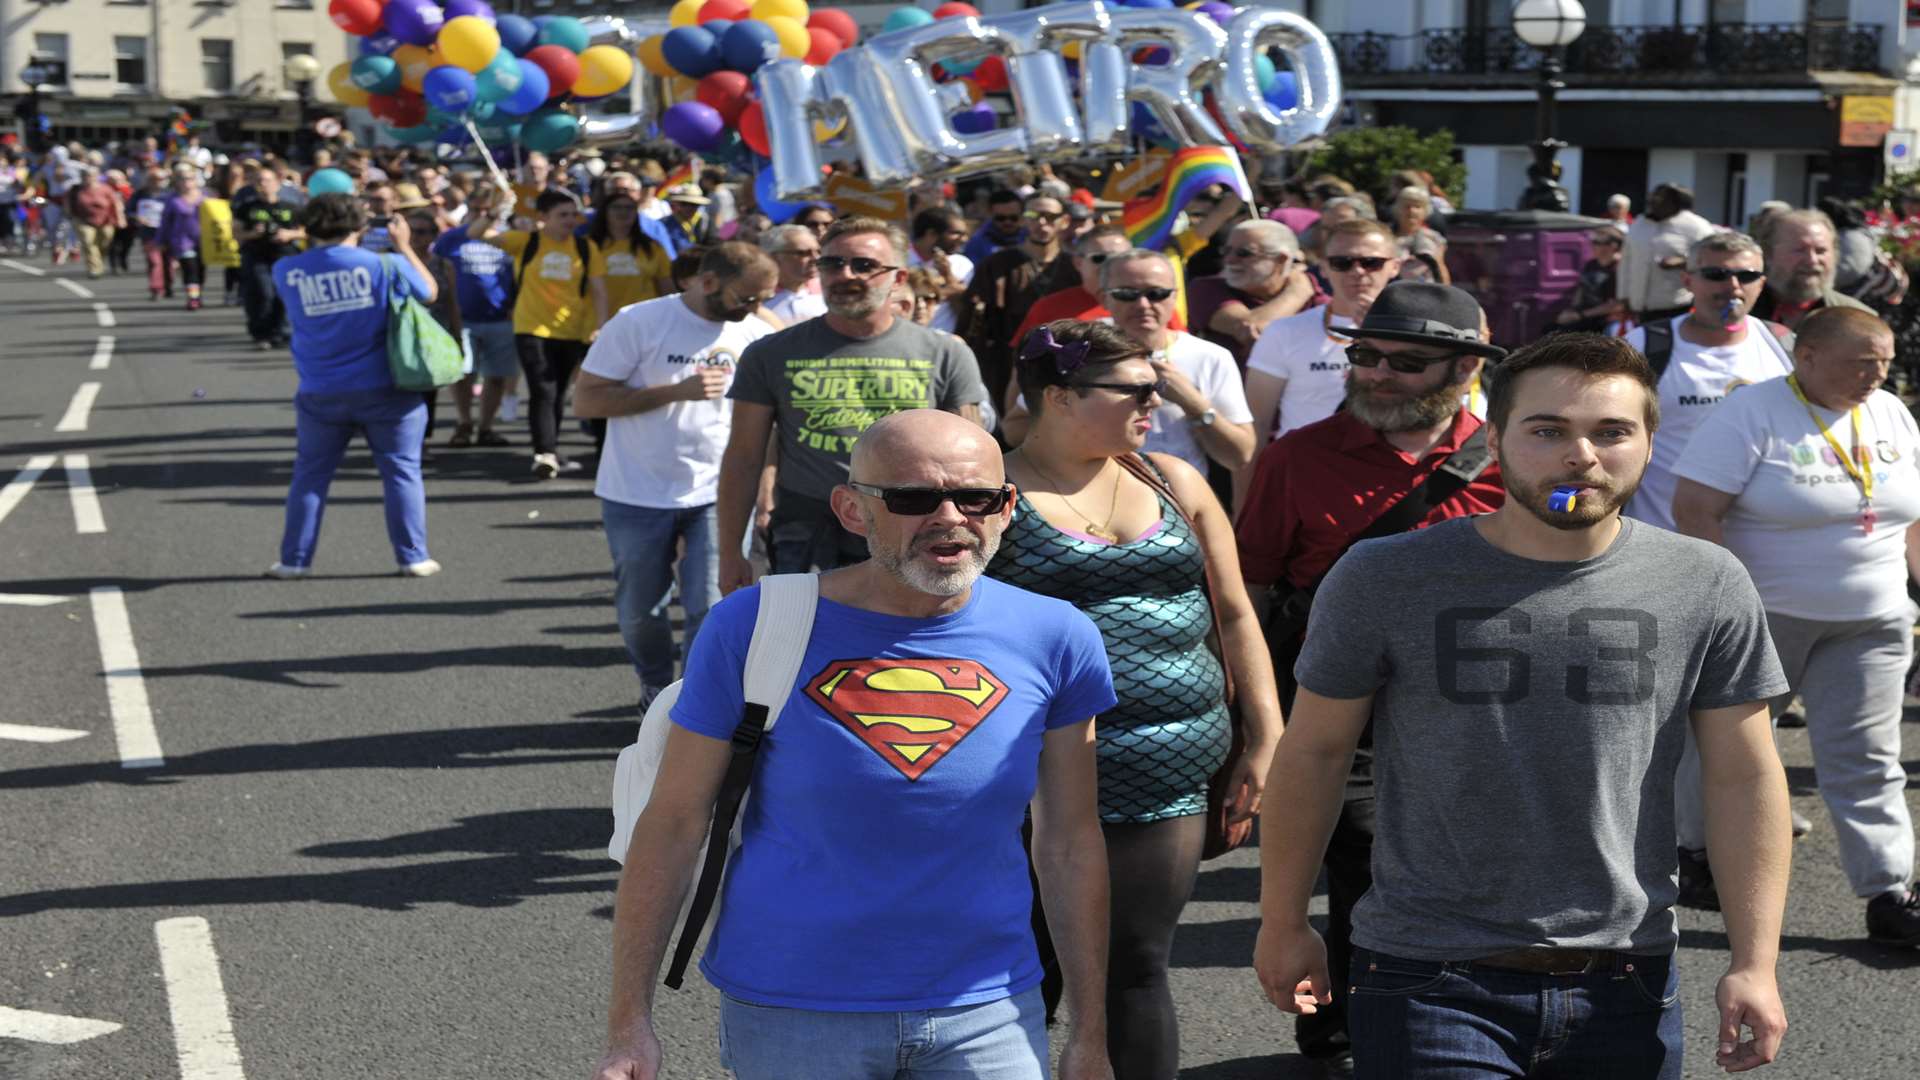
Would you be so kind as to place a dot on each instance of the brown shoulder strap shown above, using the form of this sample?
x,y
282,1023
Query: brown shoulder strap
x,y
1144,471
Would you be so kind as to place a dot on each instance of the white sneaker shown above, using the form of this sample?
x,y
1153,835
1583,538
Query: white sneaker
x,y
509,408
285,572
568,465
423,568
546,466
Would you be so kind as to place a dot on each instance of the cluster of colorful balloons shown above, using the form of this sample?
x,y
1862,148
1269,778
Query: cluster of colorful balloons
x,y
710,52
428,68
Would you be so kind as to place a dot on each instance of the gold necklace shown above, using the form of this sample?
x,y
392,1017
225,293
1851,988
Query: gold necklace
x,y
1102,531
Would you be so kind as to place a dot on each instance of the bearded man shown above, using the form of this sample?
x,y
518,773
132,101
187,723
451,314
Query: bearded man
x,y
1802,257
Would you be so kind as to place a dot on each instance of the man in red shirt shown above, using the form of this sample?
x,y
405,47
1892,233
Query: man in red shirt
x,y
97,213
1320,487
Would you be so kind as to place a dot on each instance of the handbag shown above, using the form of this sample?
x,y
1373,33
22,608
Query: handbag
x,y
420,352
1222,835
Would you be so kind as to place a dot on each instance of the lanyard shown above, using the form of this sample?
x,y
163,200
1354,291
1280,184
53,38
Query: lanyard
x,y
1862,477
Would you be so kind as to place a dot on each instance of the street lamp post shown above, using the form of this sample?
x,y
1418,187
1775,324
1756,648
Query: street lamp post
x,y
1550,26
301,70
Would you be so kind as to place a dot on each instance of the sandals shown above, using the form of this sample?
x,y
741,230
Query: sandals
x,y
462,436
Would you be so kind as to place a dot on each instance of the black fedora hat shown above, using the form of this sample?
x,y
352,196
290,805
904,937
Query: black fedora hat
x,y
1427,313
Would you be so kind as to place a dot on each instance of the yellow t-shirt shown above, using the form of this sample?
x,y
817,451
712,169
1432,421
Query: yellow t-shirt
x,y
631,276
217,245
551,302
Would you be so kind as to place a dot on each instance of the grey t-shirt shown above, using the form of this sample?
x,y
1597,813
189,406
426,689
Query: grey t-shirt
x,y
826,388
1527,721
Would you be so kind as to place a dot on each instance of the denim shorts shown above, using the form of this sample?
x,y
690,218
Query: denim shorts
x,y
995,1040
490,348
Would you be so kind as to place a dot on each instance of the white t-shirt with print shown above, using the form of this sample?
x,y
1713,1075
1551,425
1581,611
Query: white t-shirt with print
x,y
1212,370
794,308
666,458
1795,519
1696,379
1312,361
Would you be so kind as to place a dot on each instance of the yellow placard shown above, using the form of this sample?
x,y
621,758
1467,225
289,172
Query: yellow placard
x,y
1138,176
851,195
1865,119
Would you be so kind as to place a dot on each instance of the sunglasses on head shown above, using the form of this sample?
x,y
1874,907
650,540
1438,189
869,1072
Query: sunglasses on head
x,y
1143,393
1722,273
1366,356
1248,253
1343,263
859,264
919,502
1127,296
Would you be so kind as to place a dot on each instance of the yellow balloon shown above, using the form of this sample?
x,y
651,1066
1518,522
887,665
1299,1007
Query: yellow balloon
x,y
1071,50
680,88
653,60
685,13
795,42
469,42
781,9
340,81
415,61
603,69
822,131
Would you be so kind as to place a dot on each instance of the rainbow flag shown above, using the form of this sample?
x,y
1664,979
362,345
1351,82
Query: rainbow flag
x,y
1149,221
681,174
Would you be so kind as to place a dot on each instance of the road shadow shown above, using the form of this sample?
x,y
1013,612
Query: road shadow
x,y
1228,884
502,657
589,739
87,441
498,606
1859,950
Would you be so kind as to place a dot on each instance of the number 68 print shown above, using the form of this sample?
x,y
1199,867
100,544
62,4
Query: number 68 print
x,y
1449,656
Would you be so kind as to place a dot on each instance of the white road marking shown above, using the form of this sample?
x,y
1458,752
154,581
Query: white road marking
x,y
18,487
126,687
77,409
27,599
15,264
104,314
51,1028
33,733
202,1026
87,517
102,353
75,288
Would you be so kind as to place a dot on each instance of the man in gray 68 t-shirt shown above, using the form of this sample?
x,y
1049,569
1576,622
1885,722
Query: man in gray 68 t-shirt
x,y
1529,674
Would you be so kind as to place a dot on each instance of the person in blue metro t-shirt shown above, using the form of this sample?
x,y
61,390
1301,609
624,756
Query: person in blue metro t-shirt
x,y
483,290
876,916
336,300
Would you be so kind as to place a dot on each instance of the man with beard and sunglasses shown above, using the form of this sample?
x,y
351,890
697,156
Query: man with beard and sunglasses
x,y
658,374
822,383
875,921
1527,685
1264,279
1322,486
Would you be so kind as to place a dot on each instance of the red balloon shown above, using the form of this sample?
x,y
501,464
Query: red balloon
x,y
725,92
991,74
826,44
835,22
560,64
357,16
730,10
404,109
753,129
954,9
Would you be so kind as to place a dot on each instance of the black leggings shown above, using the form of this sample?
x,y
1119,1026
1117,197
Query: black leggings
x,y
1152,869
547,363
192,270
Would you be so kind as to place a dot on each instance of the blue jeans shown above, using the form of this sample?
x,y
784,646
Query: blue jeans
x,y
1435,1020
644,541
997,1040
394,422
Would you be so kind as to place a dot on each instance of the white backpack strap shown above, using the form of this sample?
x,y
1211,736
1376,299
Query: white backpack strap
x,y
781,632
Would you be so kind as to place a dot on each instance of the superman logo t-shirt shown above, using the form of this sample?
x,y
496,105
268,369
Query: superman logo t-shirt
x,y
880,866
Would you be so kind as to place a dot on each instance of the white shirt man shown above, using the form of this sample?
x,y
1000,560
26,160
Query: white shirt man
x,y
1652,263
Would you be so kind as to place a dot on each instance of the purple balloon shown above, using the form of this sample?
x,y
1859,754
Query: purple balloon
x,y
416,22
1217,11
975,119
456,8
693,125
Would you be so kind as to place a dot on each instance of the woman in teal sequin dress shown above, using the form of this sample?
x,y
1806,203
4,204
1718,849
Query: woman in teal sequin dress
x,y
1087,531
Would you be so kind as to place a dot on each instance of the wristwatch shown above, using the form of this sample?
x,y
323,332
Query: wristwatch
x,y
1204,419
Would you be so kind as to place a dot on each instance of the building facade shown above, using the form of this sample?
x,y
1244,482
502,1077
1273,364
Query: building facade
x,y
126,66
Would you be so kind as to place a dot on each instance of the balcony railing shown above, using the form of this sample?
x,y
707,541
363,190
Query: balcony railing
x,y
1728,48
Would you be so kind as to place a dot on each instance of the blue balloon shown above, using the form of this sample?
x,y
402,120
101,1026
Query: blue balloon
x,y
975,119
908,17
380,44
748,44
1147,125
1284,93
454,135
778,212
499,79
532,92
1149,3
329,182
448,87
376,74
516,33
692,51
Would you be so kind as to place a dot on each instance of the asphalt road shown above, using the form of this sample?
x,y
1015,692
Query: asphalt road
x,y
375,845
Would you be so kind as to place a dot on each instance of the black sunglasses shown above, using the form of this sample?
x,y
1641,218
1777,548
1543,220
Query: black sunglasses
x,y
1343,263
1099,257
1366,356
1128,296
1143,393
1248,253
859,264
1015,218
1722,273
919,502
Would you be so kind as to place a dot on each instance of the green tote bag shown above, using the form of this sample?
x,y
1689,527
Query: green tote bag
x,y
422,355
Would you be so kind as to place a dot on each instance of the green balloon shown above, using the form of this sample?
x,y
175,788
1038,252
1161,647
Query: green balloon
x,y
414,136
565,31
548,130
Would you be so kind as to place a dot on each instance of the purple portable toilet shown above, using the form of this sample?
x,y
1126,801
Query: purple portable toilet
x,y
1522,265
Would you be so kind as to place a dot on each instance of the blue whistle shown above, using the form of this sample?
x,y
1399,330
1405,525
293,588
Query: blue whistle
x,y
1563,499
